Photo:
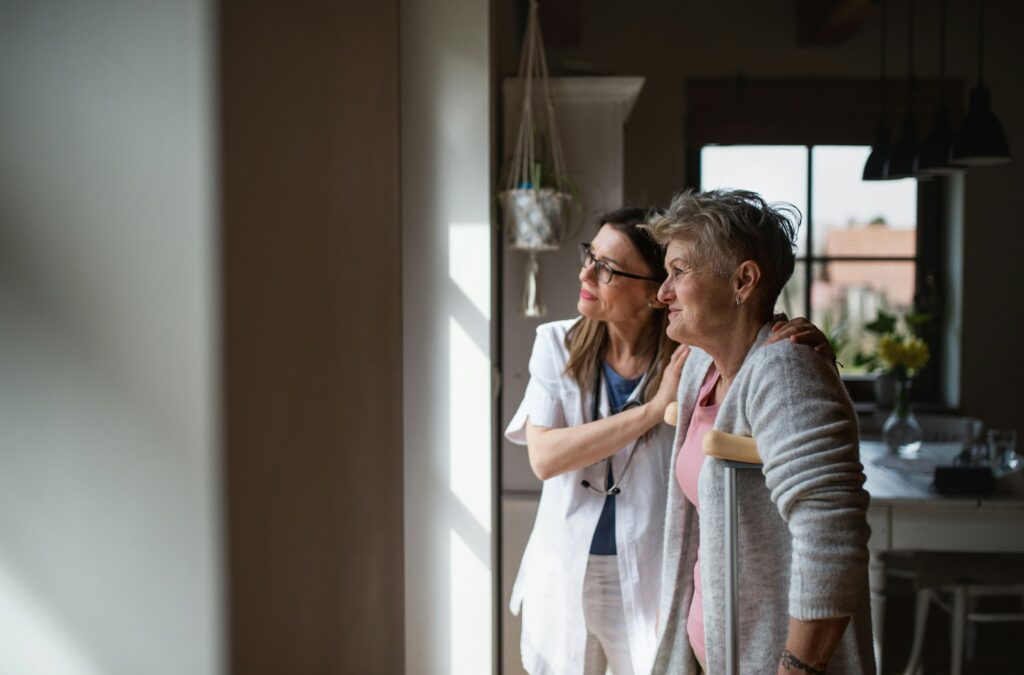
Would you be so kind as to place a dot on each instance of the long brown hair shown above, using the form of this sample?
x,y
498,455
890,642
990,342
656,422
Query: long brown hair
x,y
588,338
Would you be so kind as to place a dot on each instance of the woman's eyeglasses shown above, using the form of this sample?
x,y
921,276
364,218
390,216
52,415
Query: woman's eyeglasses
x,y
604,270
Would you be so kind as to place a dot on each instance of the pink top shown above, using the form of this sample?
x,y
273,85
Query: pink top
x,y
688,463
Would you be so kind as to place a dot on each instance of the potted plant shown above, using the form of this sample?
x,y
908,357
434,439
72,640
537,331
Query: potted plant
x,y
538,195
537,212
887,323
900,355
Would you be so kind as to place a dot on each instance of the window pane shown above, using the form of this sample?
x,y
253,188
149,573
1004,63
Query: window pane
x,y
857,217
777,172
847,295
793,299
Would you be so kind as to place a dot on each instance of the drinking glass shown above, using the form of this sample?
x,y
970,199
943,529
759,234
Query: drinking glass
x,y
974,451
1002,445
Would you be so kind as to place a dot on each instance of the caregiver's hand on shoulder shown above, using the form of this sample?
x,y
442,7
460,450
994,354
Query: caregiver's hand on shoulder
x,y
554,451
802,331
669,387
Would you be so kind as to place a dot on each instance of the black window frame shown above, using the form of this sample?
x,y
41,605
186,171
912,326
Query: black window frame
x,y
927,259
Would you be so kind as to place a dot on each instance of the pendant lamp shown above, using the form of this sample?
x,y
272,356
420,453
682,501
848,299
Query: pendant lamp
x,y
877,166
903,160
981,140
933,159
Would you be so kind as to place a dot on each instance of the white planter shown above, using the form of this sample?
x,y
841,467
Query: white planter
x,y
535,220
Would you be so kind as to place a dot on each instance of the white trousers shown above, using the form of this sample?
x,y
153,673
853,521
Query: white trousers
x,y
607,640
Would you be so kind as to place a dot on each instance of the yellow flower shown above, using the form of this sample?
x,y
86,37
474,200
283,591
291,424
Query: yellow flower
x,y
890,349
906,353
915,353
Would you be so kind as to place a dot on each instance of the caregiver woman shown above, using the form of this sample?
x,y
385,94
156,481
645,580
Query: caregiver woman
x,y
591,419
803,554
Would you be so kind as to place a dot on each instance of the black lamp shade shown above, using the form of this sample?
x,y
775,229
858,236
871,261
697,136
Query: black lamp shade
x,y
933,159
903,161
981,141
877,166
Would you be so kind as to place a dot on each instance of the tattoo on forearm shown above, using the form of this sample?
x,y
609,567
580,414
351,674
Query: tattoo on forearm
x,y
790,662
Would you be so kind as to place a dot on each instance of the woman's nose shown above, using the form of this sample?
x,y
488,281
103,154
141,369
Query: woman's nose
x,y
665,292
585,271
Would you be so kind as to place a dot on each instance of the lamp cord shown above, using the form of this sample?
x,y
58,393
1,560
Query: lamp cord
x,y
912,84
881,79
981,40
942,52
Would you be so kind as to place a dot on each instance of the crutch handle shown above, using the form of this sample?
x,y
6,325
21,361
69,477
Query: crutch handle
x,y
672,414
731,447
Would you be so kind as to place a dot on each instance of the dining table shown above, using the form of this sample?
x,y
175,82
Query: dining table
x,y
907,514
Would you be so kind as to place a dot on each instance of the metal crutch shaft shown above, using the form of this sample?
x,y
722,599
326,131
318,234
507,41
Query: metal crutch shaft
x,y
737,452
731,571
732,567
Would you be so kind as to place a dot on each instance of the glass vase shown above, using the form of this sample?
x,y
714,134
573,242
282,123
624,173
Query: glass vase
x,y
901,430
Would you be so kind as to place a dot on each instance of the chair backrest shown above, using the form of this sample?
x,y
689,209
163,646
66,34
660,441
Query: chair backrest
x,y
949,428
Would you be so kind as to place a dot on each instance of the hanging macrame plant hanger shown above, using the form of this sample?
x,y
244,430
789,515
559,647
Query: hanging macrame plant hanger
x,y
536,207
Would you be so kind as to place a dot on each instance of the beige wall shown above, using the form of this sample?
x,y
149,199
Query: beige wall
x,y
109,484
312,335
667,42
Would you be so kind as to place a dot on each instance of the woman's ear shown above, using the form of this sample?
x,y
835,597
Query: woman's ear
x,y
745,281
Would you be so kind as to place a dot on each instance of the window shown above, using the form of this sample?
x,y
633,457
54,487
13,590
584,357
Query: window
x,y
857,244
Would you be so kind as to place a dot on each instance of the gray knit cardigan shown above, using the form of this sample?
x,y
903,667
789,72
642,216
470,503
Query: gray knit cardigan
x,y
803,529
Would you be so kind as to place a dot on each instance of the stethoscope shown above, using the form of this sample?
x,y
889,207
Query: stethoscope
x,y
595,414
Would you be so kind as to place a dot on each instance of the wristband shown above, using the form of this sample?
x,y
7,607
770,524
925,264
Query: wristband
x,y
791,662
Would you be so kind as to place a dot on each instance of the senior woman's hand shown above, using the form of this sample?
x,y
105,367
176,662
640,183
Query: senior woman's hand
x,y
802,331
810,645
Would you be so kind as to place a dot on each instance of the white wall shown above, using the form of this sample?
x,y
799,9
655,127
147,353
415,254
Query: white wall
x,y
108,511
447,336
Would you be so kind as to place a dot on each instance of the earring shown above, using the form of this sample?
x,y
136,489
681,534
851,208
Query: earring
x,y
650,304
738,301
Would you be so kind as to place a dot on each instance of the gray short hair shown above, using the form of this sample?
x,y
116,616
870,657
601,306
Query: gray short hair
x,y
730,226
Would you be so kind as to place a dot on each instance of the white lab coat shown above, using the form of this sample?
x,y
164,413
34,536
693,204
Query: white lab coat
x,y
549,586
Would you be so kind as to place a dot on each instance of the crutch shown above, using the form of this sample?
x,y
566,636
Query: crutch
x,y
737,453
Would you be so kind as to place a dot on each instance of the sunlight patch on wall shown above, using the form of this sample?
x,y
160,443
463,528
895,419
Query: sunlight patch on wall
x,y
470,587
469,423
32,640
469,263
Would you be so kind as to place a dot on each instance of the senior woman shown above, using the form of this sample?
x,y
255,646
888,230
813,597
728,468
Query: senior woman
x,y
803,533
589,582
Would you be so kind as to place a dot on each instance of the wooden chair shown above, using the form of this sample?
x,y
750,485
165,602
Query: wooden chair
x,y
955,582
